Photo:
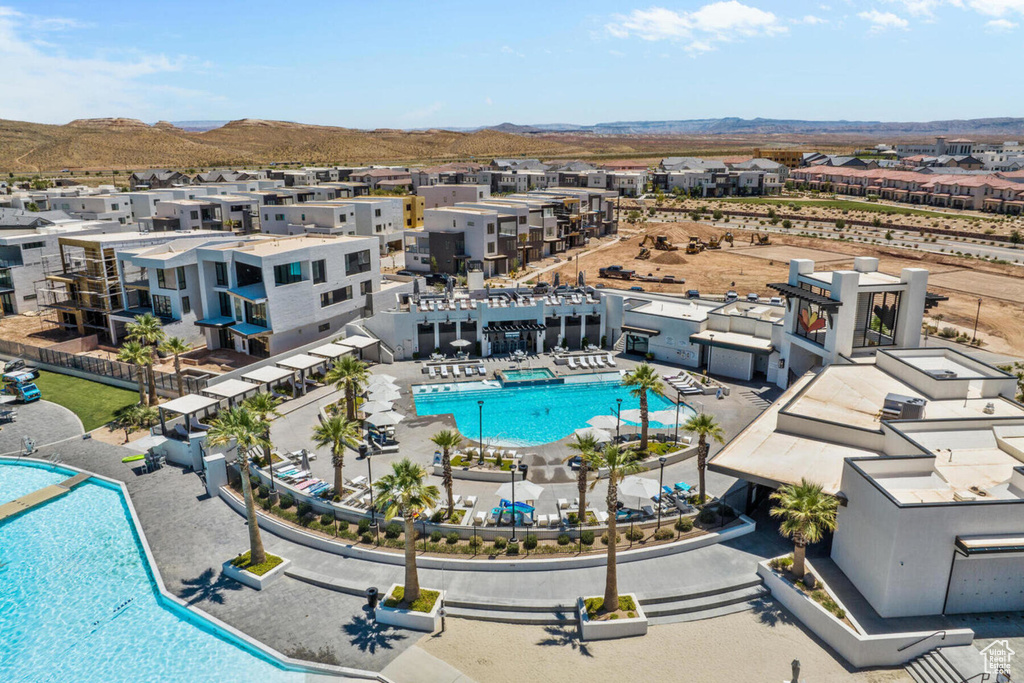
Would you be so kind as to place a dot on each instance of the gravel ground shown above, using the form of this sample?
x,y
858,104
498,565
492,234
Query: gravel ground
x,y
747,646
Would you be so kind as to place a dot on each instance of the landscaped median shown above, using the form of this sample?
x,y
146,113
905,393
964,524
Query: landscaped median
x,y
257,576
421,615
598,623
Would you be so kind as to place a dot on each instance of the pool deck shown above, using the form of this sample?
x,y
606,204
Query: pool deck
x,y
40,496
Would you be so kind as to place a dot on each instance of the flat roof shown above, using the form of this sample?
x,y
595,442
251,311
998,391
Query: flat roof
x,y
359,341
689,310
330,350
230,388
301,361
733,340
267,374
865,279
188,404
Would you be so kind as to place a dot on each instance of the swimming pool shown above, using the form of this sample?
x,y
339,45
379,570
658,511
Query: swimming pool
x,y
527,375
78,602
532,415
16,482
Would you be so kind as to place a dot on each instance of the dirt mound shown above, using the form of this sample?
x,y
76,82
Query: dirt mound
x,y
669,258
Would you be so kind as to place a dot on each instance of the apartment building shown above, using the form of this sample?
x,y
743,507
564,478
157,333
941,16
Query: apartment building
x,y
332,218
712,178
383,177
446,174
440,195
790,158
942,145
157,178
99,207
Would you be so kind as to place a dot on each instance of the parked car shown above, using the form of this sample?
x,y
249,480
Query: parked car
x,y
753,298
777,300
730,295
406,273
16,364
693,294
636,288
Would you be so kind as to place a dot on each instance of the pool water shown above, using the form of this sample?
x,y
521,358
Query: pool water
x,y
16,482
532,415
527,374
78,603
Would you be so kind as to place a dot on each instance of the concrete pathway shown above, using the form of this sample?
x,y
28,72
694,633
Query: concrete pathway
x,y
416,665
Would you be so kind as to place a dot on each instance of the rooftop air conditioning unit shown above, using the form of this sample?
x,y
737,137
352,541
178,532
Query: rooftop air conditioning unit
x,y
907,407
961,496
943,374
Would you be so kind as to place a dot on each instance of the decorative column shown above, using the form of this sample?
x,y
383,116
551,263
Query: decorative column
x,y
437,337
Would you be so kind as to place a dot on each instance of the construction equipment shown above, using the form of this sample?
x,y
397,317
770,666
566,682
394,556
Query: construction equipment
x,y
659,242
716,242
759,240
644,254
695,245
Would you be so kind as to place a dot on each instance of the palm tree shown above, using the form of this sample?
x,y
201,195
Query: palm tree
x,y
335,433
807,513
446,440
584,446
704,425
177,346
264,407
130,418
349,374
245,429
402,492
136,354
620,463
643,379
148,331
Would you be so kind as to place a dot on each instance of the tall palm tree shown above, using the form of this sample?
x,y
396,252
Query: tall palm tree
x,y
335,433
264,407
705,426
348,374
643,379
402,492
148,331
177,346
584,446
620,463
136,354
245,429
447,440
807,513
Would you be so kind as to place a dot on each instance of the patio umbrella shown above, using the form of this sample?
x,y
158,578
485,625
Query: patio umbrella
x,y
380,381
525,490
376,407
601,435
305,459
632,415
667,417
384,393
390,379
461,343
640,488
388,419
603,422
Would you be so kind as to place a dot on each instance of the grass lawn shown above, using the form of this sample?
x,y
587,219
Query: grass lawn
x,y
93,403
843,204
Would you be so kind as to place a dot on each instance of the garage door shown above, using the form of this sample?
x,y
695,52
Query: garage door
x,y
730,363
987,583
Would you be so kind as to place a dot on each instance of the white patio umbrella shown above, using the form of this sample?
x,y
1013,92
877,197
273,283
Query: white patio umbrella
x,y
525,490
631,415
603,422
384,394
667,417
461,343
639,488
376,407
380,381
388,419
390,379
601,435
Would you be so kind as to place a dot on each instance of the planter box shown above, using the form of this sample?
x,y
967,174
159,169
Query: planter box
x,y
403,618
252,580
611,628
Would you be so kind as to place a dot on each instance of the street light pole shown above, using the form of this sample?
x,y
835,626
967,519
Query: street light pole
x,y
618,418
364,452
977,315
481,421
679,399
661,486
513,511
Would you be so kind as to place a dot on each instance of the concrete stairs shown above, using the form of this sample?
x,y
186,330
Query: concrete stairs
x,y
705,604
941,665
537,615
620,344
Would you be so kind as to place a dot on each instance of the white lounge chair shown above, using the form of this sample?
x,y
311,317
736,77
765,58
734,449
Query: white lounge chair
x,y
468,370
599,361
455,371
611,361
444,371
469,502
602,516
432,371
584,363
542,520
481,370
563,503
480,518
572,363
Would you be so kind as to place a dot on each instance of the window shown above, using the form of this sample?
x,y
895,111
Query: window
x,y
238,310
225,304
491,248
181,277
256,314
358,262
221,273
324,327
490,228
161,278
366,286
376,213
161,306
522,220
319,271
194,215
278,216
33,245
288,273
186,305
335,296
811,322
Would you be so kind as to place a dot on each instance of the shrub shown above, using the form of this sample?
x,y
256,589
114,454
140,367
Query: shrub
x,y
475,542
326,519
787,224
684,524
363,526
563,539
365,538
393,530
263,491
604,538
587,537
438,516
840,223
512,549
303,509
663,534
286,502
635,534
708,515
452,538
530,542
573,518
781,563
435,536
500,542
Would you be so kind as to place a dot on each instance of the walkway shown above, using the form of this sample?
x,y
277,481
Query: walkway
x,y
40,496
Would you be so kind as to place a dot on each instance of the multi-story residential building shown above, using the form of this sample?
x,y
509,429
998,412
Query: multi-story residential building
x,y
437,196
99,207
790,158
332,218
941,146
447,174
186,214
712,178
383,177
344,190
157,178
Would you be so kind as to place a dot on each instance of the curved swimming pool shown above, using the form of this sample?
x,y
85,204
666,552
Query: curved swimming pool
x,y
78,601
536,414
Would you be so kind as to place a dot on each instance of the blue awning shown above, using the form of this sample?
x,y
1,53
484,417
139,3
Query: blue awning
x,y
219,321
256,293
247,330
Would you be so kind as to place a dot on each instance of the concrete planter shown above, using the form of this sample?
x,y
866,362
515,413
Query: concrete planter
x,y
612,628
253,580
403,618
474,474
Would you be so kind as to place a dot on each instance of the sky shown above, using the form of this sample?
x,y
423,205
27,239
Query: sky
x,y
418,64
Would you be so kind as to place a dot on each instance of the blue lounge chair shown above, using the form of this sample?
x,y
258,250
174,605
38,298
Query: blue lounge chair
x,y
667,491
683,487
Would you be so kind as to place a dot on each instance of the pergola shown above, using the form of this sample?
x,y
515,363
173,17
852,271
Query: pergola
x,y
187,406
361,342
332,352
268,375
231,389
301,363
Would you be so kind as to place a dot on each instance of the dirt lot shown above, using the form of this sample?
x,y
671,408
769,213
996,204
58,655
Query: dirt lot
x,y
746,269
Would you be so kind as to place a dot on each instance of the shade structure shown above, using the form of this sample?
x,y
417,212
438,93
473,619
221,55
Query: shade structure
x,y
300,361
376,407
603,421
461,343
384,393
390,379
601,435
305,459
331,351
668,417
188,404
268,374
380,381
525,490
632,415
638,488
388,419
230,389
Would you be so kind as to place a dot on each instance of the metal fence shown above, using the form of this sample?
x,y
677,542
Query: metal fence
x,y
100,368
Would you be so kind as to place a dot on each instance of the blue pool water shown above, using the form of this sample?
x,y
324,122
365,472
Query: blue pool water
x,y
16,482
527,374
78,603
532,415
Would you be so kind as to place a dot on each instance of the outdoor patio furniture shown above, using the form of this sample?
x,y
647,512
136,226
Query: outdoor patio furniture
x,y
481,370
480,518
584,363
432,371
469,502
611,361
647,510
682,487
455,371
444,371
542,520
457,498
469,370
572,363
563,504
358,481
602,516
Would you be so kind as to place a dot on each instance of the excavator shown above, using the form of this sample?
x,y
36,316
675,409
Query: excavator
x,y
644,254
659,242
695,246
759,240
716,242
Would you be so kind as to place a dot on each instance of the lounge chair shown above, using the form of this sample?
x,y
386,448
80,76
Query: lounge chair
x,y
457,498
683,488
480,518
542,520
432,371
358,481
444,371
600,361
563,504
469,502
602,516
647,511
455,371
572,363
196,426
611,361
481,370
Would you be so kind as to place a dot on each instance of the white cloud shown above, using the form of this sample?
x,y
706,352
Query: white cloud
x,y
1001,25
488,101
811,20
616,53
43,83
997,8
924,8
882,21
713,23
505,49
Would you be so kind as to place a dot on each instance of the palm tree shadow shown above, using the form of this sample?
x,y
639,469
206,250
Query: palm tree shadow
x,y
366,634
770,613
207,587
565,636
